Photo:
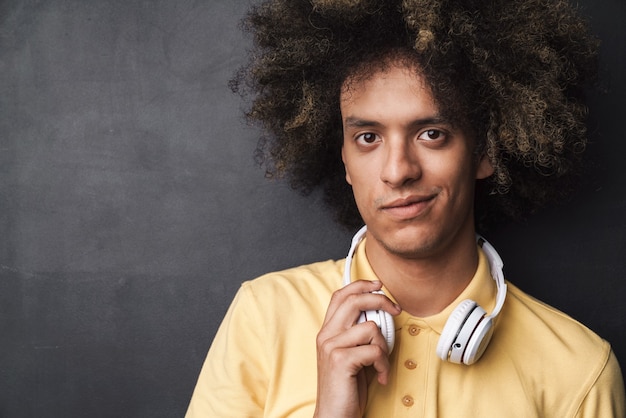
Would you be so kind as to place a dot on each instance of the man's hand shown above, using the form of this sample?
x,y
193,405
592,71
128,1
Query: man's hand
x,y
345,348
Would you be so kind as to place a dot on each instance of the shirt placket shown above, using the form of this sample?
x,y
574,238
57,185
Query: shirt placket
x,y
412,367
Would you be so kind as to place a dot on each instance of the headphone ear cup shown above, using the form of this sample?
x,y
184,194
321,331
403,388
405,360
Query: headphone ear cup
x,y
465,335
384,321
452,328
388,329
479,341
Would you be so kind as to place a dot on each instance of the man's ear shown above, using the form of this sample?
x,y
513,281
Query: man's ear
x,y
343,158
484,168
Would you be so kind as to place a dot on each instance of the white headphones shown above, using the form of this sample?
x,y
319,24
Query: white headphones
x,y
468,330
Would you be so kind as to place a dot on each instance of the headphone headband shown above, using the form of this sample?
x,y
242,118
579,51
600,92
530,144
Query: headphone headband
x,y
495,265
496,268
467,331
356,239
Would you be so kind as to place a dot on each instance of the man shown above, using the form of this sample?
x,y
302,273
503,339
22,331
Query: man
x,y
425,110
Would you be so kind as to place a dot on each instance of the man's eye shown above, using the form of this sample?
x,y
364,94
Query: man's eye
x,y
431,135
367,138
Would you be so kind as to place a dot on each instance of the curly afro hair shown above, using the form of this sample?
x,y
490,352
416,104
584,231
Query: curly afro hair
x,y
516,72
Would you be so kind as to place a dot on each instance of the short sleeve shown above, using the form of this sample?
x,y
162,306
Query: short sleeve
x,y
606,397
233,379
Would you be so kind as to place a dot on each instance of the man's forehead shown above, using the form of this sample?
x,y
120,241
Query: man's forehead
x,y
366,75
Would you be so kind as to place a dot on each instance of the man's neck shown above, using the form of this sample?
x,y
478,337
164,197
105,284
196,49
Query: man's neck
x,y
425,286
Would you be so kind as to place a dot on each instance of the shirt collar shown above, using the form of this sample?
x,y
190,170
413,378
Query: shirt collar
x,y
482,289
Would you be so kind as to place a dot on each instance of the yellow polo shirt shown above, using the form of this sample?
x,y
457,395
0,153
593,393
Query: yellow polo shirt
x,y
539,363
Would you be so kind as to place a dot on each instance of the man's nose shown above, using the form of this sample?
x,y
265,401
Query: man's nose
x,y
400,164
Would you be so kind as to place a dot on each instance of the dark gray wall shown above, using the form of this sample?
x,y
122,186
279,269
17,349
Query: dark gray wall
x,y
131,208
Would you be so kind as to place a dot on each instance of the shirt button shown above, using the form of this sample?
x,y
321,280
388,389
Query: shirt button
x,y
407,400
410,364
414,330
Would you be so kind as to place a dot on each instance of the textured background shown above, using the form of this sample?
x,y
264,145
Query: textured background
x,y
131,207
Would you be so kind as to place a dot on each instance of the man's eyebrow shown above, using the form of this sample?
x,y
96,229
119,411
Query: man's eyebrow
x,y
355,122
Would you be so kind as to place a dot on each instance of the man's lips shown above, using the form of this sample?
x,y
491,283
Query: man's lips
x,y
408,207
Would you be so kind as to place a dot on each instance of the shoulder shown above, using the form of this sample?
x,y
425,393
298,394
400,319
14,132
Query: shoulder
x,y
561,358
266,345
321,276
299,288
548,326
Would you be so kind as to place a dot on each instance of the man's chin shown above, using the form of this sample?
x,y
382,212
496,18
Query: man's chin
x,y
409,243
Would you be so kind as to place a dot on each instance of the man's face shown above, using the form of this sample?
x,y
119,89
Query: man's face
x,y
411,171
